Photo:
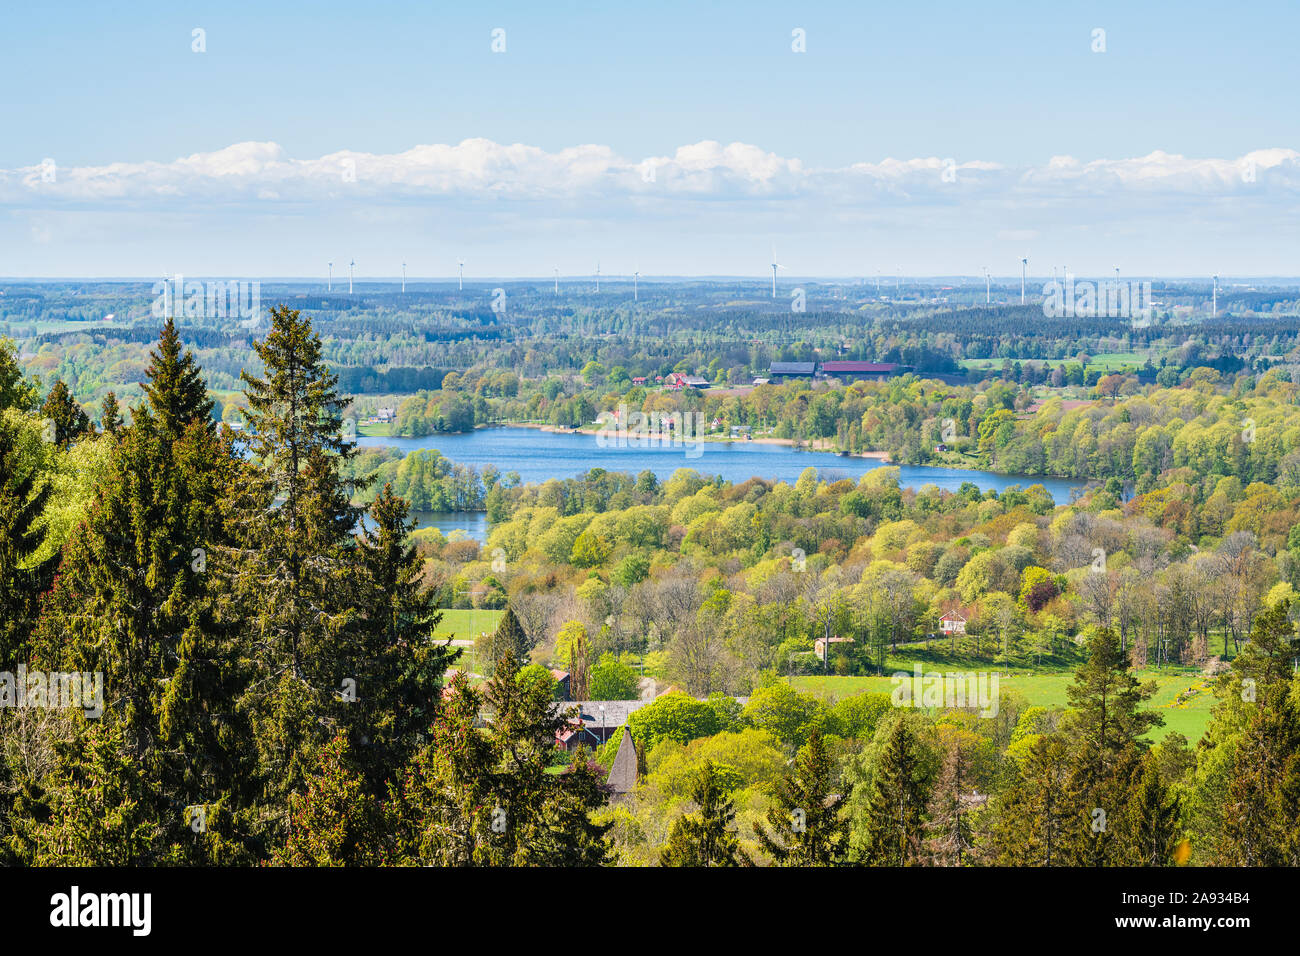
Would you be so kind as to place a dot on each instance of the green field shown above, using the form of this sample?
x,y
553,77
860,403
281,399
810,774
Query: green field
x,y
465,624
1102,360
1047,688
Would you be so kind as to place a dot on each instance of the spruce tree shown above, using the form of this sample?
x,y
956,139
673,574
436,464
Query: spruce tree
x,y
397,664
99,805
509,638
484,796
291,569
896,810
174,386
1036,812
951,836
110,419
1260,811
336,822
22,578
1153,820
15,391
68,418
136,600
808,827
707,837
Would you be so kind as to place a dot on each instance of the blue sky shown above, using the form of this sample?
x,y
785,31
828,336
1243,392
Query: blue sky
x,y
590,93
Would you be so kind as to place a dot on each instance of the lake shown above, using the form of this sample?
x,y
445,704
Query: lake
x,y
539,456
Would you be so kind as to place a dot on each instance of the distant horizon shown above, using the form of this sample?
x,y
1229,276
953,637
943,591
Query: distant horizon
x,y
886,280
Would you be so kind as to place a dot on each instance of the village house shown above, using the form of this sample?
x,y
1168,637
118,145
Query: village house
x,y
678,380
594,722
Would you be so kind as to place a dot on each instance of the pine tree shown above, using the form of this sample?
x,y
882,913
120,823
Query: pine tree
x,y
69,419
1105,700
896,810
1237,809
808,826
22,579
707,837
1269,658
1106,726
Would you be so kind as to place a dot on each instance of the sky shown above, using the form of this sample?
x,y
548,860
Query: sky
x,y
683,138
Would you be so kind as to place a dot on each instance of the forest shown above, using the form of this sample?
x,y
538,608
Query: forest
x,y
278,686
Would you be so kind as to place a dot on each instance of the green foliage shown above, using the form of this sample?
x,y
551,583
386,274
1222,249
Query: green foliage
x,y
708,836
807,825
611,679
674,716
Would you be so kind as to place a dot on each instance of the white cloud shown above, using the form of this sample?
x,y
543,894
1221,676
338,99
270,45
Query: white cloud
x,y
708,170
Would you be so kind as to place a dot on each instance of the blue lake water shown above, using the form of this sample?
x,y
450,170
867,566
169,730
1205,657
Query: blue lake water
x,y
538,456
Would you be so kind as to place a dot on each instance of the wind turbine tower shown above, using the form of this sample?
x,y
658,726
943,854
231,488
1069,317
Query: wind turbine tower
x,y
775,266
987,287
1024,271
557,280
403,277
598,276
635,275
1214,298
460,273
329,284
350,265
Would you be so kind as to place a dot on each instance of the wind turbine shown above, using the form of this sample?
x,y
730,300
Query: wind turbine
x,y
330,284
987,287
775,266
350,265
597,275
1214,298
403,277
557,280
1024,271
460,273
635,275
877,283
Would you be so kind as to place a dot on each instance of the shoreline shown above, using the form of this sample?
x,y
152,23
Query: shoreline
x,y
818,445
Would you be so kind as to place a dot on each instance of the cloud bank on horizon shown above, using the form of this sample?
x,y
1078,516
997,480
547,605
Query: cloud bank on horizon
x,y
702,209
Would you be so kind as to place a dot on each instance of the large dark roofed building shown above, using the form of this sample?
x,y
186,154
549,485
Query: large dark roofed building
x,y
792,370
859,370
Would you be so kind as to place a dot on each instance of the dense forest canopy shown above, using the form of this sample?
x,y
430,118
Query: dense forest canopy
x,y
267,635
